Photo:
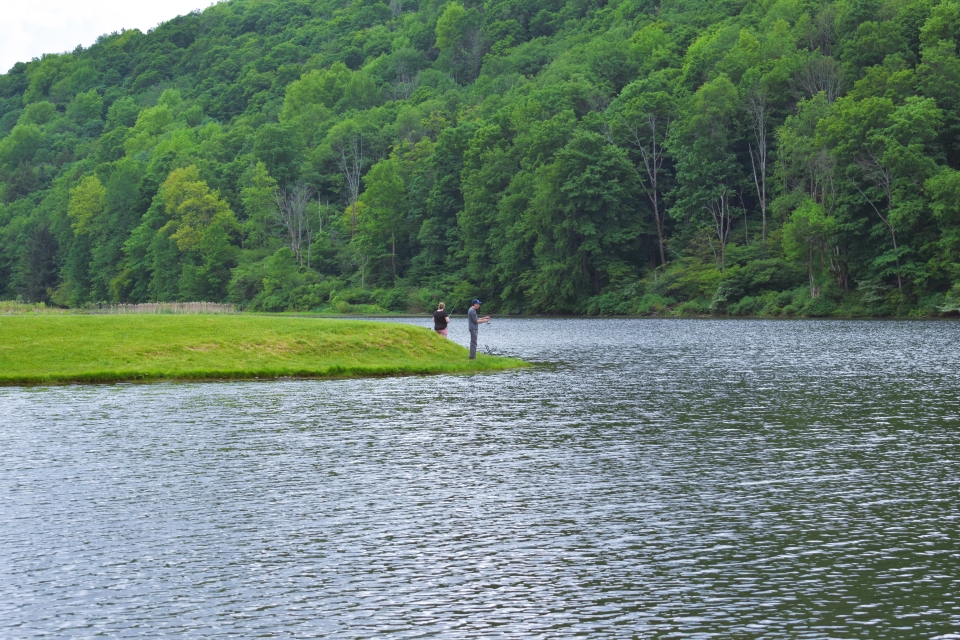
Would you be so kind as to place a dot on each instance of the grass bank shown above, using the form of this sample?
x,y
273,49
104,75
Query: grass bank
x,y
37,349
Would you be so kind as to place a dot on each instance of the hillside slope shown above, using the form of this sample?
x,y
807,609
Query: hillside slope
x,y
776,157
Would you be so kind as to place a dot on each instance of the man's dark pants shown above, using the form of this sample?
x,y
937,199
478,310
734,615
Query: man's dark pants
x,y
473,344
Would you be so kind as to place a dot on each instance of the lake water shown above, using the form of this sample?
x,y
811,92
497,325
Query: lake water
x,y
651,478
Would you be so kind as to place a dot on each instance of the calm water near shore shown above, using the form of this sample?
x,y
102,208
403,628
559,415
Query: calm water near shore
x,y
651,478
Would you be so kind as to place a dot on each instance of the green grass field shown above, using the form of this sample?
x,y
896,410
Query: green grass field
x,y
37,349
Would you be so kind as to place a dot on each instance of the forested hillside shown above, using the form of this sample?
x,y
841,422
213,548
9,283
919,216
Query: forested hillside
x,y
556,156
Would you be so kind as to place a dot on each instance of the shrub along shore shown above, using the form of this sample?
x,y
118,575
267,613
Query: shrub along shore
x,y
40,349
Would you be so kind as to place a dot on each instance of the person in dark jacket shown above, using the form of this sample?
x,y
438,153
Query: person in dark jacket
x,y
473,324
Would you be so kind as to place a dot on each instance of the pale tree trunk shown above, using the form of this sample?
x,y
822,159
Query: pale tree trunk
x,y
882,178
292,208
821,178
350,157
320,210
363,270
406,83
393,253
651,154
757,109
821,74
477,44
719,208
836,268
814,292
829,184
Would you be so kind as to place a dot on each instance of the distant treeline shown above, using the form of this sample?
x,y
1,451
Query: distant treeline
x,y
568,156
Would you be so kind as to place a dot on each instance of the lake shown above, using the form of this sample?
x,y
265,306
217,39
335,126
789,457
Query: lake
x,y
648,478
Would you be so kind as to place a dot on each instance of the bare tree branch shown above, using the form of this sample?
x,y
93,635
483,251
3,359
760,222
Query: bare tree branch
x,y
757,109
292,208
647,138
821,73
350,158
881,177
719,208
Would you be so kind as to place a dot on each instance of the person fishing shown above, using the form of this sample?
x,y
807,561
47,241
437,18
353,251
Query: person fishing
x,y
441,320
473,324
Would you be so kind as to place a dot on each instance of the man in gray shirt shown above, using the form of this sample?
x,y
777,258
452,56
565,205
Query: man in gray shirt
x,y
473,324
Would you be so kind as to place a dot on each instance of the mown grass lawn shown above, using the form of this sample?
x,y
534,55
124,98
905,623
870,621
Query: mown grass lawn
x,y
112,348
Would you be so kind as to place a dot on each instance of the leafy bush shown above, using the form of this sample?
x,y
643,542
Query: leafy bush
x,y
749,306
395,299
698,307
652,303
820,306
951,302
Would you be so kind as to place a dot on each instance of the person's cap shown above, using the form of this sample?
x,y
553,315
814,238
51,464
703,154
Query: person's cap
x,y
475,301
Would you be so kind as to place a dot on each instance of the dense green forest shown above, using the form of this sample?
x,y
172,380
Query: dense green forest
x,y
771,157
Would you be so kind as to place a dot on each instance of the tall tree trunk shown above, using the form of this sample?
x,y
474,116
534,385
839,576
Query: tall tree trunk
x,y
883,179
651,153
757,108
291,206
350,159
720,210
893,235
393,253
760,182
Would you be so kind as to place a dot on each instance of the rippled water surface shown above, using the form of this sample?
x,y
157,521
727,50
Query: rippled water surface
x,y
664,478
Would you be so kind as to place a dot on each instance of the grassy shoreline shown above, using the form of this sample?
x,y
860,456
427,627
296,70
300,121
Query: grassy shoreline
x,y
8,308
78,348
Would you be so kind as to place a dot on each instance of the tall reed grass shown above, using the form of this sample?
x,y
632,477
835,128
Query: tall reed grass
x,y
9,308
173,308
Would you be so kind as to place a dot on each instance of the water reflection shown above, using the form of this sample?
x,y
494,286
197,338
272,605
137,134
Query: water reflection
x,y
660,478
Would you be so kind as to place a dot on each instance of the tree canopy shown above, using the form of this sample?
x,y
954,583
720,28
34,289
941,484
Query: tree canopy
x,y
566,156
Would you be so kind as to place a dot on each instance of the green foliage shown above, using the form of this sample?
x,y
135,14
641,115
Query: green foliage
x,y
583,208
806,238
782,158
194,210
256,194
